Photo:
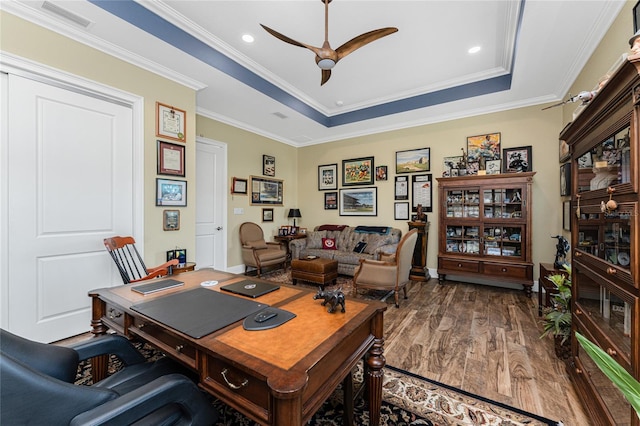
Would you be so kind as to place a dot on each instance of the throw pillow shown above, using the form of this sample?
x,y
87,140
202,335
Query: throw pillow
x,y
314,239
258,244
329,243
359,248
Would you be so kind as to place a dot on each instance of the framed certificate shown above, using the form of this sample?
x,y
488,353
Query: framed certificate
x,y
170,159
171,122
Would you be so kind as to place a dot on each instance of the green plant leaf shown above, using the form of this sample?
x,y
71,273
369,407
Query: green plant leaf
x,y
620,377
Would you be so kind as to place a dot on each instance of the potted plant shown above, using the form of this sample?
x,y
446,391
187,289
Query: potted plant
x,y
557,317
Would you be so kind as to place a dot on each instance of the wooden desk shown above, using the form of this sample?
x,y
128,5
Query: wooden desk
x,y
275,377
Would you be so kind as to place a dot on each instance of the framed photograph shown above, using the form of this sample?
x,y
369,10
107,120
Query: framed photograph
x,y
483,146
636,17
564,152
239,186
327,177
331,201
401,211
171,220
180,254
421,192
565,179
171,122
449,164
170,159
267,215
171,192
359,202
381,173
266,191
515,160
493,167
357,171
413,161
566,215
473,167
585,161
401,191
268,165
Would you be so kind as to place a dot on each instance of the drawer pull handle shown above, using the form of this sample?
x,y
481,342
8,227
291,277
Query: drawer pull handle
x,y
612,352
244,383
577,253
611,271
179,348
504,269
114,314
579,370
578,312
459,265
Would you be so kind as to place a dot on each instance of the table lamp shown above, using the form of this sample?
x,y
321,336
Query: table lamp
x,y
294,213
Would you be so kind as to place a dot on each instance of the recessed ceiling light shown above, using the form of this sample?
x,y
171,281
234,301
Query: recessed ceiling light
x,y
474,49
248,38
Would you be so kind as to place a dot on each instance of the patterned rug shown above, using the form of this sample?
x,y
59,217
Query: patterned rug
x,y
407,399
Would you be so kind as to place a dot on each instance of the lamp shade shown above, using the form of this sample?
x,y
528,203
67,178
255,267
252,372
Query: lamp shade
x,y
294,213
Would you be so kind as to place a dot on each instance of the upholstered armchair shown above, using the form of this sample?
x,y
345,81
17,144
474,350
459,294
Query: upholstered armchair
x,y
391,274
37,387
256,252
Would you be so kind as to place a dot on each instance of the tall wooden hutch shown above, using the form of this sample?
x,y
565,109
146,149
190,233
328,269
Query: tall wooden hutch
x,y
485,228
604,239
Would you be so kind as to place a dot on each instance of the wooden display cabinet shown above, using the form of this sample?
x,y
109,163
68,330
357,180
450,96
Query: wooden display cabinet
x,y
605,291
485,228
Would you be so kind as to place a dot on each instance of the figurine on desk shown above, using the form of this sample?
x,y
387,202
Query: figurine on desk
x,y
420,216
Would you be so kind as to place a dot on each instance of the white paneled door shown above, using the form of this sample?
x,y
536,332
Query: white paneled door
x,y
70,185
211,195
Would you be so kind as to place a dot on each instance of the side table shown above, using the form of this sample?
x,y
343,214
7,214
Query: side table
x,y
285,239
185,267
547,269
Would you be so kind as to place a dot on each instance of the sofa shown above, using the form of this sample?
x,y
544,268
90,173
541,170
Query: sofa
x,y
347,244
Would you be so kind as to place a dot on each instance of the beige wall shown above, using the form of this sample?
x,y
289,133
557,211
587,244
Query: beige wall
x,y
35,43
245,151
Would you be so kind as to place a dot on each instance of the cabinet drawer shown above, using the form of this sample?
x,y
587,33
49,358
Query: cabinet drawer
x,y
236,383
459,265
166,342
114,315
507,270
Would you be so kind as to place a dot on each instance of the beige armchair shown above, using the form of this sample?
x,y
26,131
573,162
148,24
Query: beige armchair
x,y
256,252
388,275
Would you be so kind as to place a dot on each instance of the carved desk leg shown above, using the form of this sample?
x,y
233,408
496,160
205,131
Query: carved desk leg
x,y
374,372
98,364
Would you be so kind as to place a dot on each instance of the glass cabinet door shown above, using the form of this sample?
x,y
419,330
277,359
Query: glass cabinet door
x,y
503,203
463,203
463,239
502,240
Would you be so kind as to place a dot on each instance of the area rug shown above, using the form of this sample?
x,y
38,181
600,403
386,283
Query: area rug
x,y
407,399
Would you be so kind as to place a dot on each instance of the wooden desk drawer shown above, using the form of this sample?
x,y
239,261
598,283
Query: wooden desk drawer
x,y
114,315
459,265
237,382
166,342
508,271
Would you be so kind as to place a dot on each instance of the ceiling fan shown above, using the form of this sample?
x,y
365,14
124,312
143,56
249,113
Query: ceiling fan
x,y
326,57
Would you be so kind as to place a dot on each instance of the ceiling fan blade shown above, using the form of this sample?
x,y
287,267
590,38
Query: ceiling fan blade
x,y
326,74
363,39
289,40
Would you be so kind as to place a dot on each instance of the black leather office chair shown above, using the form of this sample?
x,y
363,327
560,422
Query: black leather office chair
x,y
36,387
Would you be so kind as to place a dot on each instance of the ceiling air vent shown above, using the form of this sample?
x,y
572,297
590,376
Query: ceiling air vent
x,y
70,16
280,115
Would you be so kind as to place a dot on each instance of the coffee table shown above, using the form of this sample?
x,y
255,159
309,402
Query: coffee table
x,y
318,271
276,377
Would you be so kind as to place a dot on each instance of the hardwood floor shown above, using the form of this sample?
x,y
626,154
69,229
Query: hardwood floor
x,y
484,340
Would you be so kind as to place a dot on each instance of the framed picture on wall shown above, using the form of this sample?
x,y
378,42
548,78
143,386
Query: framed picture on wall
x,y
359,202
483,146
171,122
170,159
357,171
327,177
401,211
565,179
266,191
331,201
421,192
516,160
413,160
402,188
171,220
267,215
566,215
268,165
171,192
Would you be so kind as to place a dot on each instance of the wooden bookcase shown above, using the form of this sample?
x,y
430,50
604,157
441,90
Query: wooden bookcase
x,y
485,228
605,260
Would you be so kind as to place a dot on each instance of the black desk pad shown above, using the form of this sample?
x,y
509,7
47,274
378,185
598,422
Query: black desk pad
x,y
198,312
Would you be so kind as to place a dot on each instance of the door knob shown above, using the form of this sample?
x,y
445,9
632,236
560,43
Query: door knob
x,y
219,228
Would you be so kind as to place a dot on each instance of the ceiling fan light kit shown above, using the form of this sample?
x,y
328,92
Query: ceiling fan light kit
x,y
326,57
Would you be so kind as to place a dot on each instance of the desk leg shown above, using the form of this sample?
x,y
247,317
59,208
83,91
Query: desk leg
x,y
347,386
100,363
288,411
374,374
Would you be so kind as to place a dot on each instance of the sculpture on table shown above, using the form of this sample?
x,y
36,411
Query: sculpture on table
x,y
420,216
331,297
562,247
